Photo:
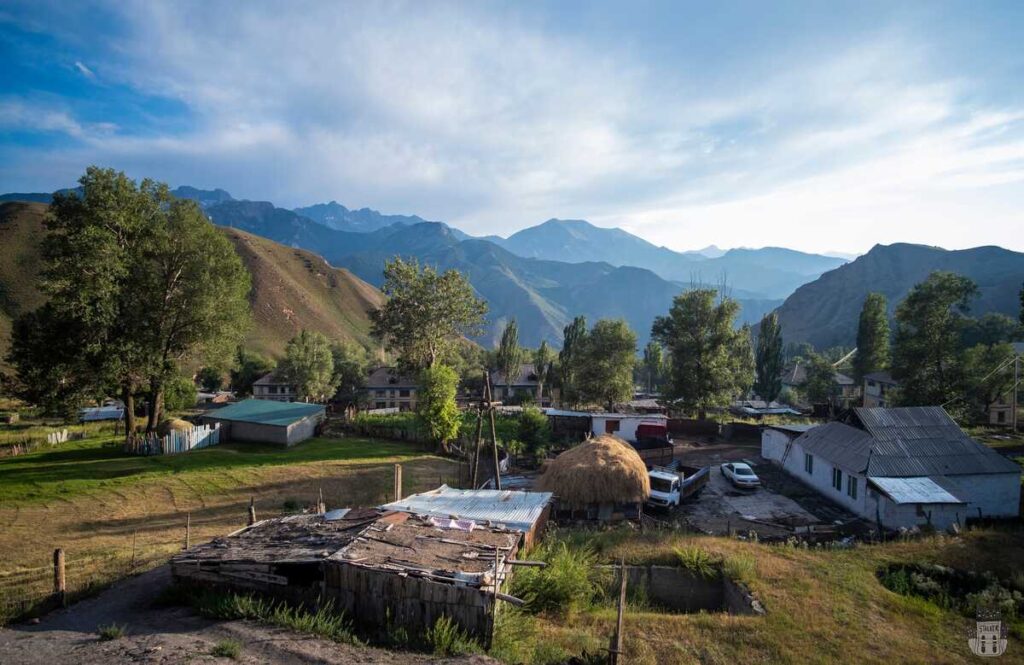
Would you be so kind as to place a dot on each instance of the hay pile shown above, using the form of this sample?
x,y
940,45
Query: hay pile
x,y
601,470
173,424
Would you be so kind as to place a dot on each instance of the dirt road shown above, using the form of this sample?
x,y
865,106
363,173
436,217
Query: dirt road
x,y
173,635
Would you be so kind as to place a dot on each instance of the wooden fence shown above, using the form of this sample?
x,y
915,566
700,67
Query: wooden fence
x,y
176,441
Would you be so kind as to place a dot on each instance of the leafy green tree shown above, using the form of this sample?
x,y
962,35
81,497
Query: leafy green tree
x,y
989,329
608,357
768,359
988,375
1021,295
351,366
872,337
426,313
534,431
179,393
820,383
308,365
710,358
927,345
210,379
542,359
436,407
653,364
510,356
249,367
570,360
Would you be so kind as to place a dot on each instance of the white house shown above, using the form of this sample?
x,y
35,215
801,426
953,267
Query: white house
x,y
272,387
900,467
622,425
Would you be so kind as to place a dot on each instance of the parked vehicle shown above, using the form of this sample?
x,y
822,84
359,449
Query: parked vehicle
x,y
741,475
673,484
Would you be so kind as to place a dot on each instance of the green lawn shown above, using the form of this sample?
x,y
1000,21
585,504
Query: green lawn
x,y
82,466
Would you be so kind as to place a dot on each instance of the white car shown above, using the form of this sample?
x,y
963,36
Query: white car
x,y
741,475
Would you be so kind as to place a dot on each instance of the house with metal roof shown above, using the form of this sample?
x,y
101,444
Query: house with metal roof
x,y
901,467
387,388
267,421
273,387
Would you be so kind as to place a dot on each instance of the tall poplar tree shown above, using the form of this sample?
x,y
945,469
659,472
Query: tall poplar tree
x,y
510,356
872,337
570,359
768,359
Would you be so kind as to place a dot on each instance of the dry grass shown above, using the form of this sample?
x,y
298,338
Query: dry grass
x,y
823,606
604,469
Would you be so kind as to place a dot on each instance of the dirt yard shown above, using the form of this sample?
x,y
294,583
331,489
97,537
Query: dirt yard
x,y
173,635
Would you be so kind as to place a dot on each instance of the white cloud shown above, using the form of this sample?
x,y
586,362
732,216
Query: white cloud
x,y
493,122
85,71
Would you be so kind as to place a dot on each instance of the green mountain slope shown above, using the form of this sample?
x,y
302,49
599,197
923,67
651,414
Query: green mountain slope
x,y
292,288
824,312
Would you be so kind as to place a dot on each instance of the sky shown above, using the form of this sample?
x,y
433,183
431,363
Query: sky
x,y
820,126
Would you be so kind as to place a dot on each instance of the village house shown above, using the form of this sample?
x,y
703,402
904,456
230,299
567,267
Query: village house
x,y
844,391
386,388
878,389
525,385
901,467
271,386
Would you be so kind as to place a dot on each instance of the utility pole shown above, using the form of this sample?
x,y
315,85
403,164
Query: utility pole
x,y
1016,379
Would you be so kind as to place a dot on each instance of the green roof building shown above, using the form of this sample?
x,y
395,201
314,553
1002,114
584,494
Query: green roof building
x,y
267,421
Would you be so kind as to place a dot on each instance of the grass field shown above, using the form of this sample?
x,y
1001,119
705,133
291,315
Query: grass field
x,y
823,606
100,505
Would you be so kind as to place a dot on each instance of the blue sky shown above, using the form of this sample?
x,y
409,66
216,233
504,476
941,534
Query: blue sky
x,y
818,126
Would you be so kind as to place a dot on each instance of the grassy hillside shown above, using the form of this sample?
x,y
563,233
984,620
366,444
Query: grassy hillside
x,y
292,288
21,226
295,289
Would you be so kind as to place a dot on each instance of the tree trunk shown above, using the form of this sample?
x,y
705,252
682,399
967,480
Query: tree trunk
x,y
156,403
128,397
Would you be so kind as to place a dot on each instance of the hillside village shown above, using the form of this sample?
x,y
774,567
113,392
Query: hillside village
x,y
712,432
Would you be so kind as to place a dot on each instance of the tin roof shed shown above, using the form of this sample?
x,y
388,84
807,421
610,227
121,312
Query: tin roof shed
x,y
515,509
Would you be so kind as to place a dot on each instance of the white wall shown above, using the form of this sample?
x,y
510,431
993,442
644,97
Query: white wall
x,y
627,424
773,444
821,480
303,429
997,494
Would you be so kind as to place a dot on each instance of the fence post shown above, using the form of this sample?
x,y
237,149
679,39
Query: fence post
x,y
252,510
135,535
615,652
59,579
398,482
188,530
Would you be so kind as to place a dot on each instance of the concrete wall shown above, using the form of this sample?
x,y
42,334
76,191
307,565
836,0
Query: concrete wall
x,y
679,589
303,429
996,494
627,424
773,444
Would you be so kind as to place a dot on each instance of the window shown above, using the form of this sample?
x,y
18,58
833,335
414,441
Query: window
x,y
808,463
272,390
1001,416
379,405
611,426
837,479
403,392
381,393
851,487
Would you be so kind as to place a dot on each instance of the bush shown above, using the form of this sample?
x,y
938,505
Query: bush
x,y
699,562
534,431
110,632
445,638
227,649
569,583
740,567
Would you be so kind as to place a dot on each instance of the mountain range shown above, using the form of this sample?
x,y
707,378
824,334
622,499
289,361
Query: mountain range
x,y
825,312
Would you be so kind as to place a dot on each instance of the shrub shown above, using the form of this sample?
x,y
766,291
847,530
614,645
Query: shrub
x,y
227,649
569,583
740,567
445,638
534,431
110,632
699,562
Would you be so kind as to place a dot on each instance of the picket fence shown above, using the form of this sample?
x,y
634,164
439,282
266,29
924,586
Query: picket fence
x,y
175,441
59,436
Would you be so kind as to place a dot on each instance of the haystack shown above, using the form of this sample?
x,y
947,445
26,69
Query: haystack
x,y
173,424
598,471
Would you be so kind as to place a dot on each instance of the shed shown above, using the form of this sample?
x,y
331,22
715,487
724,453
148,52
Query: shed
x,y
601,479
267,421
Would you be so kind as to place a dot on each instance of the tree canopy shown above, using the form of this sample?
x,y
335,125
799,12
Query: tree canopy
x,y
768,358
872,337
653,364
570,357
436,407
510,355
308,364
426,313
711,360
608,356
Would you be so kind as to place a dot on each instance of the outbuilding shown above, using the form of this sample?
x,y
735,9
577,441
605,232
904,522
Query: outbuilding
x,y
267,421
901,467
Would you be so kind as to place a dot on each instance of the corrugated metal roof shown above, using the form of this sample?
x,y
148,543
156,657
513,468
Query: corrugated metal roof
x,y
266,412
516,510
925,441
794,429
920,489
389,377
840,444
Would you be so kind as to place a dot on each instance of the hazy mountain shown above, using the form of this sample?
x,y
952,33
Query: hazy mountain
x,y
825,312
292,289
770,272
541,295
711,251
204,197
